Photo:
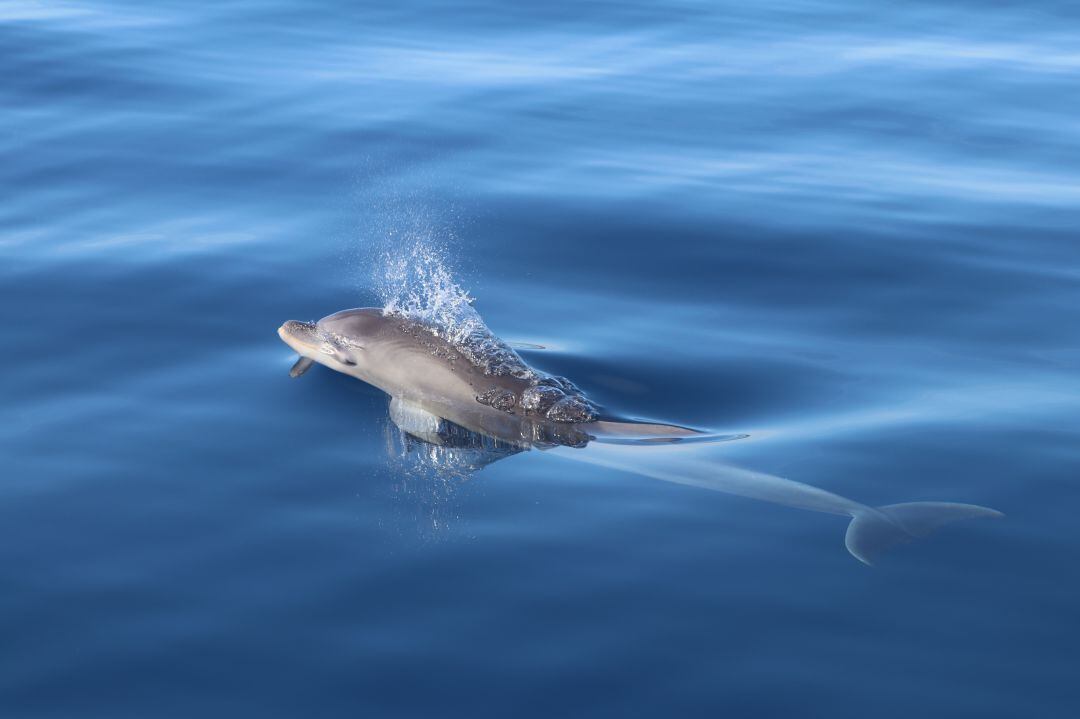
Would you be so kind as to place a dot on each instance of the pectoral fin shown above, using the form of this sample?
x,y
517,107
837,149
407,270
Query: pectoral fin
x,y
302,365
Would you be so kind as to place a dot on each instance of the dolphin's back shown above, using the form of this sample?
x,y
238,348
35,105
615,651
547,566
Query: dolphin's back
x,y
357,325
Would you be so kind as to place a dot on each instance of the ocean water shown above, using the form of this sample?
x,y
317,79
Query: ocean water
x,y
847,230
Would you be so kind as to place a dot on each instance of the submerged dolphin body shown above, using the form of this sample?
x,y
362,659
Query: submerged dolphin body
x,y
481,386
872,530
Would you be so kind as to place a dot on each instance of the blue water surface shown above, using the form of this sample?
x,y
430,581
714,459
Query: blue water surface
x,y
846,229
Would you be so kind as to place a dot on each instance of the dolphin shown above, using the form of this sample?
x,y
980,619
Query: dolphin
x,y
480,386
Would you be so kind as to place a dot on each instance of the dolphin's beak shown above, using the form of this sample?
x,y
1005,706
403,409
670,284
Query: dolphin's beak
x,y
301,336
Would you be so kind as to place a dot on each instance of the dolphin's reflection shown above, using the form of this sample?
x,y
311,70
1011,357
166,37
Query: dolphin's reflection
x,y
431,459
445,454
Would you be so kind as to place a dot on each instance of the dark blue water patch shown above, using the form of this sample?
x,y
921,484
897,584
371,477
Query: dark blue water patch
x,y
84,70
845,229
730,391
891,285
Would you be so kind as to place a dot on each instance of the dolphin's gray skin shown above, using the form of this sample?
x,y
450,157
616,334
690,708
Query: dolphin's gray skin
x,y
407,361
430,383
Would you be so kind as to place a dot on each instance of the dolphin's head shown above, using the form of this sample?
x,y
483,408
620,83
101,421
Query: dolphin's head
x,y
336,341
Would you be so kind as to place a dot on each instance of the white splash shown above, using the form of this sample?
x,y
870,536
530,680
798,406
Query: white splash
x,y
417,283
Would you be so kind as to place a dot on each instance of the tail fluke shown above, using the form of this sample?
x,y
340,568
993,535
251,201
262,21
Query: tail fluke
x,y
874,530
